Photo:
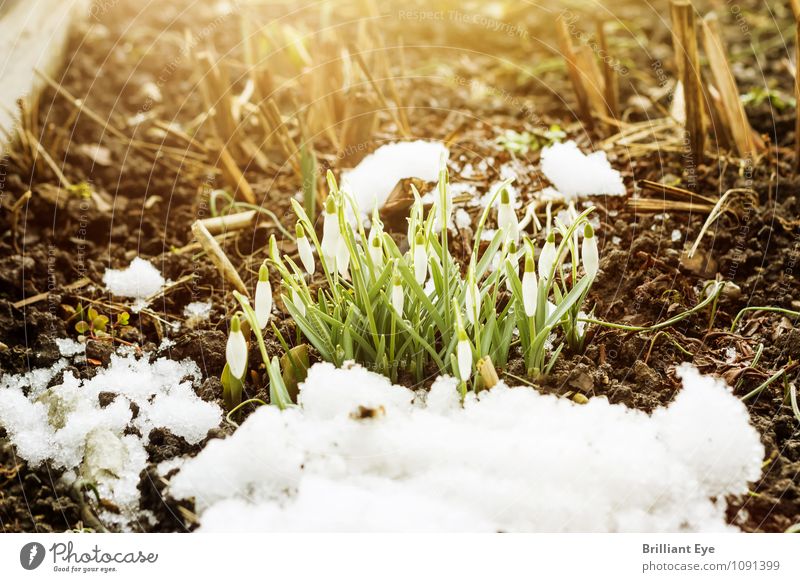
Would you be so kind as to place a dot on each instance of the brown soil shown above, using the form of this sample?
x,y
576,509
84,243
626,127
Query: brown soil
x,y
643,278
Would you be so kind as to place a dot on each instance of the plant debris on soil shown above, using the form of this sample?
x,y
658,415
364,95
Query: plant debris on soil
x,y
137,160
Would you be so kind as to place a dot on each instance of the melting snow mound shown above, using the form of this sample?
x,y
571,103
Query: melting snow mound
x,y
575,174
373,179
510,459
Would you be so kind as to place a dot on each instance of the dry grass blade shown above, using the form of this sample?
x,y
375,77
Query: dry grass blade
x,y
229,222
233,175
719,208
748,143
568,52
218,257
684,37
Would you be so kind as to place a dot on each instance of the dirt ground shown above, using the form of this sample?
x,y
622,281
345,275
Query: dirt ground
x,y
145,207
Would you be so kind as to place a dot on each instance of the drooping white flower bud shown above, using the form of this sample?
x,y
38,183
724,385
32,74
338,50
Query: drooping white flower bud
x,y
330,234
420,259
473,296
236,349
591,258
507,217
398,297
530,287
464,356
547,258
375,244
304,250
263,297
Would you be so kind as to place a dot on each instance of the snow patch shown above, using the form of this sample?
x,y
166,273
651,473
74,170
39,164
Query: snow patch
x,y
66,424
376,175
139,281
575,174
510,459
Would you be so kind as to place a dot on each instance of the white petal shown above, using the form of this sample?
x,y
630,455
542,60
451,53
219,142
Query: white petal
x,y
591,259
376,254
398,298
420,264
263,303
306,255
236,354
546,259
530,292
464,358
330,236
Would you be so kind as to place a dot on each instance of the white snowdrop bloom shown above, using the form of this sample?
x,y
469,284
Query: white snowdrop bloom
x,y
473,297
236,349
330,233
376,249
464,356
591,259
263,297
507,217
398,297
420,259
304,250
547,257
530,287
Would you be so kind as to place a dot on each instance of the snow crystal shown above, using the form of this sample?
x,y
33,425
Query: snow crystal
x,y
139,281
69,347
575,174
462,218
196,312
376,175
66,424
510,459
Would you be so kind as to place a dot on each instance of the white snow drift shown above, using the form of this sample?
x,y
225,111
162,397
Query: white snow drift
x,y
509,460
376,175
67,425
575,174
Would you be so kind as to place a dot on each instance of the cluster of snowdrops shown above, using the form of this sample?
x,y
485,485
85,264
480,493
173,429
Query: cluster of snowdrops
x,y
414,312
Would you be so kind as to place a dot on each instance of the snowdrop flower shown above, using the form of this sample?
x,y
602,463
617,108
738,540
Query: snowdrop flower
x,y
263,297
473,298
547,257
507,217
398,297
530,287
376,248
236,349
304,250
591,259
464,356
420,259
330,233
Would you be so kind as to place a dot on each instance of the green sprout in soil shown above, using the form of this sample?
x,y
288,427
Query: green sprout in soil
x,y
525,141
90,324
